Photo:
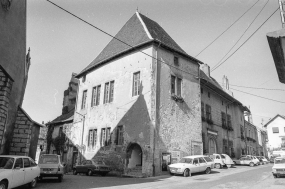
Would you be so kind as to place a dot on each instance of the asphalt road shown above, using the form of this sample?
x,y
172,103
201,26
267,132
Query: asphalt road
x,y
239,177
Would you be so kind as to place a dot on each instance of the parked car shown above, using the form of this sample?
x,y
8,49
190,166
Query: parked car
x,y
271,159
90,167
278,168
247,160
262,160
221,160
192,164
51,166
17,171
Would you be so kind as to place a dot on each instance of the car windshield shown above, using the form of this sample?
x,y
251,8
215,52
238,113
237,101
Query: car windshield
x,y
279,161
208,159
48,160
185,160
6,162
99,162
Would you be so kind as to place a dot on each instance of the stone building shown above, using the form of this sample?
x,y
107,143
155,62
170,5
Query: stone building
x,y
222,117
261,143
57,142
17,129
251,138
138,103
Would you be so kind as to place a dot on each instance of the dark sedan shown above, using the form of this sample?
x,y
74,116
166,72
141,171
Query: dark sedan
x,y
90,167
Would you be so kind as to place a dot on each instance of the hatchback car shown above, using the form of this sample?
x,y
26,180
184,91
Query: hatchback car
x,y
247,160
18,170
90,167
221,160
192,164
278,168
51,166
262,160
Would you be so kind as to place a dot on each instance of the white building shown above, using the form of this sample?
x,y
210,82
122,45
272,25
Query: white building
x,y
276,132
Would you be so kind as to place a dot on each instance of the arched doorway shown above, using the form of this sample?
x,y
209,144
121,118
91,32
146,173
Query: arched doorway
x,y
212,146
134,155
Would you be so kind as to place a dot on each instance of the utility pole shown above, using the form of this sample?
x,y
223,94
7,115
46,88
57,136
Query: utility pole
x,y
281,3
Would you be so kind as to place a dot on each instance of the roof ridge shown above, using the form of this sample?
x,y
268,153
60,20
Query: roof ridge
x,y
144,26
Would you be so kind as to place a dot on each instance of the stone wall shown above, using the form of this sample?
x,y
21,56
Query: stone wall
x,y
5,89
22,135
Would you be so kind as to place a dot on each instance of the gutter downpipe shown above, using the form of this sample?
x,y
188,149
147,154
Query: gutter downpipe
x,y
155,105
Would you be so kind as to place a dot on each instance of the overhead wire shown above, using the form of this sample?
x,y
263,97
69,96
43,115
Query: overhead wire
x,y
227,29
246,40
242,34
258,96
258,88
155,57
118,39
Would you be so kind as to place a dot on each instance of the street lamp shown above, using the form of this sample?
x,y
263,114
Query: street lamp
x,y
81,147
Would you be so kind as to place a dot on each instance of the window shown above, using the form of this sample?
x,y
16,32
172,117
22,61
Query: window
x,y
136,83
208,159
109,92
32,162
176,61
201,160
201,90
202,109
84,99
223,119
26,162
176,85
208,112
229,121
90,138
209,94
275,129
120,135
19,163
108,136
103,136
96,95
83,78
195,161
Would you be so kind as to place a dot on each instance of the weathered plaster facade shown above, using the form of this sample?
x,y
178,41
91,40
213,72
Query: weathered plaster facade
x,y
276,132
158,128
220,136
251,138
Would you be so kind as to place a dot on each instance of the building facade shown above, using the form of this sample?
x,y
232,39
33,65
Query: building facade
x,y
138,105
251,138
276,132
18,132
222,117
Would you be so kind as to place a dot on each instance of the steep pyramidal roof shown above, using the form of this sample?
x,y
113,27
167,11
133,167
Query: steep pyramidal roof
x,y
137,31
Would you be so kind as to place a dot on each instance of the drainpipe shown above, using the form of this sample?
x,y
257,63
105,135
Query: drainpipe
x,y
155,105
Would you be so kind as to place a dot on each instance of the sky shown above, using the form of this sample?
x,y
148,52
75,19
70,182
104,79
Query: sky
x,y
61,44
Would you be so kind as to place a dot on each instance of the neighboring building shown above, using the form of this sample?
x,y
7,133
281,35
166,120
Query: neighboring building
x,y
251,138
18,132
222,117
276,132
263,147
138,105
57,142
41,147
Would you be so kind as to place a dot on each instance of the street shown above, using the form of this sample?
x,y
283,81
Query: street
x,y
236,177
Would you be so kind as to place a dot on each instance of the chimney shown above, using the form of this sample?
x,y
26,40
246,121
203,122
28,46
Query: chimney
x,y
206,69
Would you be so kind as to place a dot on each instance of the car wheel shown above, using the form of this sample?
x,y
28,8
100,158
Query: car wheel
x,y
208,170
40,178
218,166
33,183
3,185
89,173
235,163
186,173
251,164
60,177
74,172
